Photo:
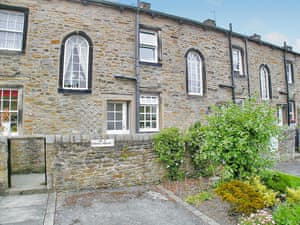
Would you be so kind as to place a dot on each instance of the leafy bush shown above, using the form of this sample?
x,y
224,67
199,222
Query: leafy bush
x,y
269,196
293,195
242,196
287,214
205,162
169,144
238,137
199,198
279,181
261,217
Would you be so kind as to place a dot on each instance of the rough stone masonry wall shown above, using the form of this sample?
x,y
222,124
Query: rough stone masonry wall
x,y
3,165
287,145
76,165
27,155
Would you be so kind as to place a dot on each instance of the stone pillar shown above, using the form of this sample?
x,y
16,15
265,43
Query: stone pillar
x,y
287,145
3,166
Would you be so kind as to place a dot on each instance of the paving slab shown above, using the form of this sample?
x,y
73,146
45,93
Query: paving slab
x,y
130,206
23,209
290,167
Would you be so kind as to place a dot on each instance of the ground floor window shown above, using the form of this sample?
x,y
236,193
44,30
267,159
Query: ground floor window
x,y
9,111
292,112
282,115
149,113
117,117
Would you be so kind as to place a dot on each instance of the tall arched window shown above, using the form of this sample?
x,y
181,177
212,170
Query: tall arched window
x,y
76,62
195,74
265,83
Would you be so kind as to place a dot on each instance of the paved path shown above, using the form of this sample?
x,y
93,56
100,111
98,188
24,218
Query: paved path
x,y
130,206
21,210
291,167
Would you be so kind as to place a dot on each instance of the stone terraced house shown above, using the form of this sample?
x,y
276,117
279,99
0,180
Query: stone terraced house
x,y
74,72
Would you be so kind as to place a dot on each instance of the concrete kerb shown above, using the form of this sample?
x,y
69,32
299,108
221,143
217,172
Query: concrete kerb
x,y
188,207
50,210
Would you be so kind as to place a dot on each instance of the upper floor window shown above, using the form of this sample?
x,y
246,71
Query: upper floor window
x,y
76,62
13,27
9,111
290,73
195,76
148,46
265,83
149,113
237,61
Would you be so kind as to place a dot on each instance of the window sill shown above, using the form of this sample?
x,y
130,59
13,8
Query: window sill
x,y
151,64
11,52
74,91
149,131
117,132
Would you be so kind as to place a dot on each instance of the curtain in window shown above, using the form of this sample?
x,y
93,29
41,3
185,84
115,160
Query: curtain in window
x,y
76,62
11,30
195,79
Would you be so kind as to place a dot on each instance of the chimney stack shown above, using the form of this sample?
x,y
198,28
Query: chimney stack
x,y
145,5
255,37
210,22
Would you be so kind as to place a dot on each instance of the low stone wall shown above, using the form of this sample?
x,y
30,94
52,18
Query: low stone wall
x,y
76,165
3,166
27,155
287,145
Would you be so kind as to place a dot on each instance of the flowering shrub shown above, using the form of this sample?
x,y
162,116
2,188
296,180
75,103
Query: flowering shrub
x,y
242,196
169,144
269,196
261,217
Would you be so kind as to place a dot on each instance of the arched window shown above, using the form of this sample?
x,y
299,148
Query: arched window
x,y
76,62
195,74
265,83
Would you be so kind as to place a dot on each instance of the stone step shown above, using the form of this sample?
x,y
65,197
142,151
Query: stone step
x,y
27,191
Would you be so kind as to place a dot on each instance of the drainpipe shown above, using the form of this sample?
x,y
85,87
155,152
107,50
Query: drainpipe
x,y
137,68
286,83
231,62
247,64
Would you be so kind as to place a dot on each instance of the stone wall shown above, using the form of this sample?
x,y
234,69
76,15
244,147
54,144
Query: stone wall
x,y
27,155
3,166
112,31
287,145
76,165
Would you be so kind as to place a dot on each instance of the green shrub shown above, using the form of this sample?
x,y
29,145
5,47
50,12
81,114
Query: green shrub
x,y
269,196
169,144
205,162
261,217
279,181
237,137
293,195
287,214
199,198
242,196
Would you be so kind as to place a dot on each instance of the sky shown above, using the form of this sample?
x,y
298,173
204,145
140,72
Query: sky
x,y
275,20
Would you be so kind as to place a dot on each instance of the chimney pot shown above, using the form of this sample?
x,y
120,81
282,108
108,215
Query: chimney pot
x,y
256,37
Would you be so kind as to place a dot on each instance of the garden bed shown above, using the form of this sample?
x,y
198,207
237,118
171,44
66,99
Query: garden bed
x,y
214,208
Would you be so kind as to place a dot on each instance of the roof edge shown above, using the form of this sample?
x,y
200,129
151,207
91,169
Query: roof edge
x,y
184,20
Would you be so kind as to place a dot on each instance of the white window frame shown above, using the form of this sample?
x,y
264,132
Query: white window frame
x,y
153,46
237,61
81,65
149,101
194,73
280,115
125,118
264,83
12,15
289,71
292,112
10,111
